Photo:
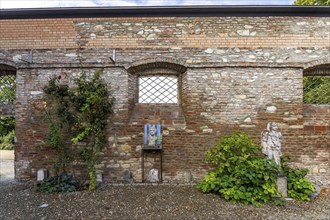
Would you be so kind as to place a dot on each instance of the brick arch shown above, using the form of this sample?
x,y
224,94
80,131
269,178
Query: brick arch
x,y
317,67
166,65
7,67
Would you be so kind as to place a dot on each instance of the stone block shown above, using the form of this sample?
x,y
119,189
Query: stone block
x,y
123,139
271,109
125,148
42,174
128,176
187,176
99,177
207,130
282,186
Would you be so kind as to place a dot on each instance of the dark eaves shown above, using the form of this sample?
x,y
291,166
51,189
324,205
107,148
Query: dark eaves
x,y
166,11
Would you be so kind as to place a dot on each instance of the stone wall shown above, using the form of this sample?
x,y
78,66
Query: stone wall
x,y
235,73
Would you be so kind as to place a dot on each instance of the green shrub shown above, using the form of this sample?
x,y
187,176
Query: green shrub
x,y
59,183
7,133
7,141
242,174
7,124
299,187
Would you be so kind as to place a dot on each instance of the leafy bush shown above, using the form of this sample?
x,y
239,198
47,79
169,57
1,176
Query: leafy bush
x,y
59,183
7,124
7,133
299,187
7,141
242,173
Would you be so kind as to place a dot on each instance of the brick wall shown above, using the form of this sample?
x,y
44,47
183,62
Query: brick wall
x,y
235,73
164,32
316,143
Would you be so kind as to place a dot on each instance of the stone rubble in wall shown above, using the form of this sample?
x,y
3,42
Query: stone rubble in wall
x,y
209,55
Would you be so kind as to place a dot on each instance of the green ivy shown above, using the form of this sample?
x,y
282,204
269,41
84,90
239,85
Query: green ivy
x,y
56,108
7,124
91,102
242,174
7,141
299,187
77,119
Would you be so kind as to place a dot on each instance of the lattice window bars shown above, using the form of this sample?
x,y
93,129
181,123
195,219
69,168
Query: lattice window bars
x,y
7,89
317,90
158,89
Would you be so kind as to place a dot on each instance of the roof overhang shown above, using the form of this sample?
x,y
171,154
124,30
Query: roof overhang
x,y
167,11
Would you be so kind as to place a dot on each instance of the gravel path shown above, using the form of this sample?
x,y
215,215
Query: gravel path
x,y
20,201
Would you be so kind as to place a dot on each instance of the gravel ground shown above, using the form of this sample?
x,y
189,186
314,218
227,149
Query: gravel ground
x,y
20,201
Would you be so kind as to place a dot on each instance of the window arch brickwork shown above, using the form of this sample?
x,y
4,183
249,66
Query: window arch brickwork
x,y
156,91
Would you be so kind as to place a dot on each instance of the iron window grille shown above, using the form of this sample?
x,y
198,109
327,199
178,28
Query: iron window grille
x,y
158,89
7,89
317,89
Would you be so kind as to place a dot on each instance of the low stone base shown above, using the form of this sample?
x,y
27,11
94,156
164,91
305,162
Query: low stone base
x,y
282,186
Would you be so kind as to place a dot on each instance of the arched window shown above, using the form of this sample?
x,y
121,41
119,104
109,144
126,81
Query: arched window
x,y
317,85
156,93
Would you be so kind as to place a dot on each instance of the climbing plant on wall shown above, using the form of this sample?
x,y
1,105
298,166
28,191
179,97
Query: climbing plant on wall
x,y
92,105
80,116
60,120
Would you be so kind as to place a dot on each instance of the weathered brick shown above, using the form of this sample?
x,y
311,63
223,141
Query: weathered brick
x,y
236,73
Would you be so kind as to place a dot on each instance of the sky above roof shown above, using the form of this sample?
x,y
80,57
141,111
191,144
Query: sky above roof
x,y
103,3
